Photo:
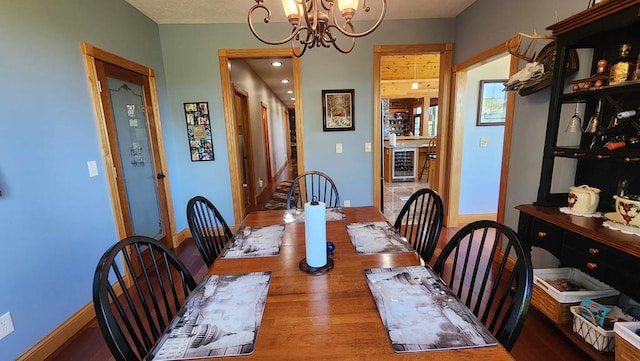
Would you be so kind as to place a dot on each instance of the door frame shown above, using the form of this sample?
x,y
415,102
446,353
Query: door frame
x,y
224,55
446,59
90,55
264,117
246,126
457,129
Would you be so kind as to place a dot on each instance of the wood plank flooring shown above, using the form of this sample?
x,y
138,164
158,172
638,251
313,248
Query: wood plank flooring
x,y
539,340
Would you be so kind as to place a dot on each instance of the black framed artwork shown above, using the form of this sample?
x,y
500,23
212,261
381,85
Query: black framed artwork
x,y
337,110
199,131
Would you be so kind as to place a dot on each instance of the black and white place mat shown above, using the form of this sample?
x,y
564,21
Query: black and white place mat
x,y
221,317
376,237
255,242
420,313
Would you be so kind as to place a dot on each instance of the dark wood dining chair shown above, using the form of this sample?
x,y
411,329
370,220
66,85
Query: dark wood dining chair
x,y
138,287
208,228
420,221
313,184
474,265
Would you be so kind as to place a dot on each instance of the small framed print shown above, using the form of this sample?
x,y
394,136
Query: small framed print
x,y
492,103
199,131
337,108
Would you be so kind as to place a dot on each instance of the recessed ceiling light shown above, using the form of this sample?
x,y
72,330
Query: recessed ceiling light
x,y
293,98
289,91
276,63
285,81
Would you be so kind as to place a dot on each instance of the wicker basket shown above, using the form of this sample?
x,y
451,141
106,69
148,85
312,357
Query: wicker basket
x,y
627,342
596,336
555,304
601,339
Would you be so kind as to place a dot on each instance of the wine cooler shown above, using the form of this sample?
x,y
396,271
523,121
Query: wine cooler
x,y
405,161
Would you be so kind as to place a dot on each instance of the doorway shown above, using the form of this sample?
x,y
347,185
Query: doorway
x,y
125,105
439,86
225,55
461,84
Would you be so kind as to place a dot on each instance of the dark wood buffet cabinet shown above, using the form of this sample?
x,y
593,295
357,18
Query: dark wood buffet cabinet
x,y
583,242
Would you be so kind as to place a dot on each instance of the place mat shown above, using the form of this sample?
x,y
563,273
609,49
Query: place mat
x,y
255,242
221,317
566,210
297,215
376,237
420,313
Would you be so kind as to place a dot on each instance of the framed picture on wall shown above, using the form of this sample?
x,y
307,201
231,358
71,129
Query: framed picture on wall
x,y
199,131
492,103
337,110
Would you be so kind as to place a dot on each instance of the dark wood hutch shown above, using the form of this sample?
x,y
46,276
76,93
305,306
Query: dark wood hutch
x,y
609,255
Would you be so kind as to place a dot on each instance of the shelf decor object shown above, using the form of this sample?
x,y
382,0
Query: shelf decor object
x,y
337,110
315,23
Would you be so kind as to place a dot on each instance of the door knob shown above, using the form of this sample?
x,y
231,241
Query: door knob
x,y
160,176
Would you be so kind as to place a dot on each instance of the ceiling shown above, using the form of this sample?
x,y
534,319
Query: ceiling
x,y
236,11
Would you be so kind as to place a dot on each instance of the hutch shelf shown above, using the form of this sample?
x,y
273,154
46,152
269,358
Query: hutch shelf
x,y
611,256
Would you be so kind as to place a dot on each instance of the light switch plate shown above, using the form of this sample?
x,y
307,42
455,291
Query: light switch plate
x,y
6,325
338,147
93,168
367,147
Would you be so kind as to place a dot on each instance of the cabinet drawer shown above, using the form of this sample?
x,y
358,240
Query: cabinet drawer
x,y
546,235
609,265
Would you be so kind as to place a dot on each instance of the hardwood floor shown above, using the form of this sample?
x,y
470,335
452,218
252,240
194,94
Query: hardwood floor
x,y
539,340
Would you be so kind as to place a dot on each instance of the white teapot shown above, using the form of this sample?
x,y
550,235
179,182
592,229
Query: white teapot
x,y
583,199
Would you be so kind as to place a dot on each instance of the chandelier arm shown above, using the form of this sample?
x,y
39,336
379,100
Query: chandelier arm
x,y
332,40
294,32
364,33
310,13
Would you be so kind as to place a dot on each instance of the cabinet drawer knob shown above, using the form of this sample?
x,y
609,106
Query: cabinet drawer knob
x,y
591,265
542,234
593,251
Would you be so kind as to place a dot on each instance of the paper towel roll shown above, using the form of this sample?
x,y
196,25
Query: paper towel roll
x,y
315,234
392,139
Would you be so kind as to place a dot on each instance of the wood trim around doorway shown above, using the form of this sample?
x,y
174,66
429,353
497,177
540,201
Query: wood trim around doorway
x,y
224,55
91,53
457,114
446,60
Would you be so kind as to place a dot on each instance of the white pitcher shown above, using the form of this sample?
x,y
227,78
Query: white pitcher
x,y
583,199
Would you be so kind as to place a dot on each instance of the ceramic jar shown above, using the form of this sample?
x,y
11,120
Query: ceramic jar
x,y
583,199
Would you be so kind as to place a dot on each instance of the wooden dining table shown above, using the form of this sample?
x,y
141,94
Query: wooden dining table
x,y
331,316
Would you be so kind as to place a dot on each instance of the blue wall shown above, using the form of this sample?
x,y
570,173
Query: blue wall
x,y
197,76
481,166
55,221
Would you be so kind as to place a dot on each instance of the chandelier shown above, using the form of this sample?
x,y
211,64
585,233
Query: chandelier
x,y
315,23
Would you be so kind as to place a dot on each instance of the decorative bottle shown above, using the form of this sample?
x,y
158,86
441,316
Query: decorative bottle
x,y
628,143
622,69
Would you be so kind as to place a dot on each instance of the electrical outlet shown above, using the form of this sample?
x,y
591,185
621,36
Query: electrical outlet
x,y
484,142
346,203
6,325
